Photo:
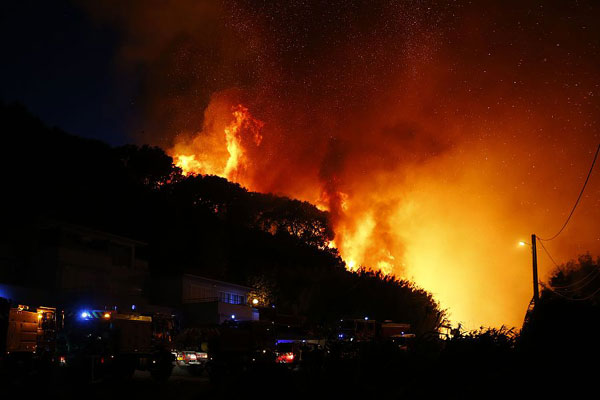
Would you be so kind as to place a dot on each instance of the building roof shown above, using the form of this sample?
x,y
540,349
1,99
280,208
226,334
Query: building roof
x,y
86,230
217,282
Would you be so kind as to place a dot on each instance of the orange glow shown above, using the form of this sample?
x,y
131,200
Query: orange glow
x,y
188,164
436,138
236,162
438,225
240,135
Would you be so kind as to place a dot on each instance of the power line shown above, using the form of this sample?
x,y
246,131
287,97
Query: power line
x,y
583,281
552,259
555,292
578,198
592,274
589,296
569,297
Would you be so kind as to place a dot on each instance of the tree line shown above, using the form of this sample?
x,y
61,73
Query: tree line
x,y
195,224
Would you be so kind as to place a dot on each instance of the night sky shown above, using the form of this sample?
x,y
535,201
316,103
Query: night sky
x,y
437,134
60,64
64,59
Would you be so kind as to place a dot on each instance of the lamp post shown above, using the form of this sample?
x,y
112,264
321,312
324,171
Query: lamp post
x,y
536,292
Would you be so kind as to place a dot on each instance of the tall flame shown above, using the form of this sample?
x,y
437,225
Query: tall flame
x,y
243,121
242,132
441,224
435,136
223,151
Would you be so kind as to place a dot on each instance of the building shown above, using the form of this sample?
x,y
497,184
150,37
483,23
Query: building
x,y
75,264
205,301
70,265
209,301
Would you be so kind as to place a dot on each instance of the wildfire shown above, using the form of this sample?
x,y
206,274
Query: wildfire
x,y
434,138
243,122
243,132
188,164
354,235
224,152
433,227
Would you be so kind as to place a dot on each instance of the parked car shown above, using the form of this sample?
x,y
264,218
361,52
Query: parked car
x,y
194,361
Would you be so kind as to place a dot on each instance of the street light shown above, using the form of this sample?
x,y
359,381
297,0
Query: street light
x,y
533,247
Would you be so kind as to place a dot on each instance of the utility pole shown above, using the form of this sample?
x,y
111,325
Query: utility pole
x,y
536,293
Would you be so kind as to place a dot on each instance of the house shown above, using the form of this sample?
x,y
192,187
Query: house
x,y
204,301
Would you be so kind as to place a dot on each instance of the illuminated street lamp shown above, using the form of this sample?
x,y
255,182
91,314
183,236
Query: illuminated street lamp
x,y
536,295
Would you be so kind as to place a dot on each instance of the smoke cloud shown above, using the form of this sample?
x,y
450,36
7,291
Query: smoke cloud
x,y
438,135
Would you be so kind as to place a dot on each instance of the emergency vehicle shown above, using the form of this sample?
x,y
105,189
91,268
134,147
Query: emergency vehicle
x,y
88,344
100,344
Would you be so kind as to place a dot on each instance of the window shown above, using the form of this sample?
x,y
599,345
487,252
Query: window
x,y
231,298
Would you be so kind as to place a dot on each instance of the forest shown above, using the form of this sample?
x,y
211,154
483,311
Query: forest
x,y
203,225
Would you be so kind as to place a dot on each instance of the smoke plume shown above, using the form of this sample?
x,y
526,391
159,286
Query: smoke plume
x,y
437,135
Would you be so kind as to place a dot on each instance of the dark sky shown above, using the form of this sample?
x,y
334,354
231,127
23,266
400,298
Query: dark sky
x,y
61,66
144,70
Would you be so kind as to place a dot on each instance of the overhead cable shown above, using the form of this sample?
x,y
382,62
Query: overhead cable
x,y
578,198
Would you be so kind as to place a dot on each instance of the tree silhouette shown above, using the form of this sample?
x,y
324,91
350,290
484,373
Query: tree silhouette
x,y
195,224
560,340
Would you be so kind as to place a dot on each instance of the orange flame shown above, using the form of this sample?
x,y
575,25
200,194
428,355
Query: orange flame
x,y
236,164
433,151
198,156
441,226
354,233
188,164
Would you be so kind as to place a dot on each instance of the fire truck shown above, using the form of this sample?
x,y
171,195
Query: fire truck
x,y
111,344
89,344
27,338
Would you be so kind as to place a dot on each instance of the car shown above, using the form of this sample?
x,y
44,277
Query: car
x,y
195,361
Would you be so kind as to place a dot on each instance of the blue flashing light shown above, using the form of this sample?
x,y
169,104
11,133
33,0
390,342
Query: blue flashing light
x,y
85,315
232,316
341,335
366,318
133,307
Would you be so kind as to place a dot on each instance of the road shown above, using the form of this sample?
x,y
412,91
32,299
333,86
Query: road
x,y
181,386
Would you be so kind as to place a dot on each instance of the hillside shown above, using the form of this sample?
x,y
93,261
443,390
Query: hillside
x,y
200,224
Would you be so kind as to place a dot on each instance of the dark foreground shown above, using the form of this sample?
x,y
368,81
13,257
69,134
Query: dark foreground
x,y
435,380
